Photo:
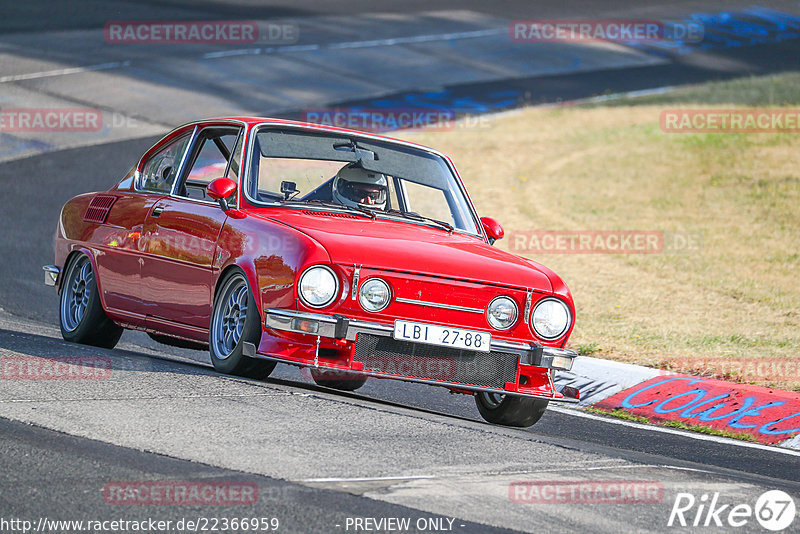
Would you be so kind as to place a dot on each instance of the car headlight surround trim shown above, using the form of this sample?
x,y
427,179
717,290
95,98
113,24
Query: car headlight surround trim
x,y
567,321
362,296
333,294
489,315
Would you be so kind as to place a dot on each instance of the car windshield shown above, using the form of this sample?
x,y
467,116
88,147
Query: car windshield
x,y
375,178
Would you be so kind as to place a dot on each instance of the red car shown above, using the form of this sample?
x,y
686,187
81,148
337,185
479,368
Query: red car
x,y
351,254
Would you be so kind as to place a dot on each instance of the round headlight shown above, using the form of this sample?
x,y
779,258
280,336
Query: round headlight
x,y
550,318
374,295
318,286
502,313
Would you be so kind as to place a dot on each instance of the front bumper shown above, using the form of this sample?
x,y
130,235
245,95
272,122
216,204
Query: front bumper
x,y
344,328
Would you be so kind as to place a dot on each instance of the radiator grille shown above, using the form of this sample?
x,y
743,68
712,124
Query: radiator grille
x,y
99,208
386,355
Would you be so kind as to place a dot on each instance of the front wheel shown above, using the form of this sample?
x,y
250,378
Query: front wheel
x,y
510,410
81,314
234,321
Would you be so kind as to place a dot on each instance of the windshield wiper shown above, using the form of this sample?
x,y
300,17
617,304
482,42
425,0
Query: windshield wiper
x,y
417,217
372,214
327,204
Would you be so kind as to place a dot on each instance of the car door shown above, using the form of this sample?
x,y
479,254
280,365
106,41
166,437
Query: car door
x,y
119,265
180,235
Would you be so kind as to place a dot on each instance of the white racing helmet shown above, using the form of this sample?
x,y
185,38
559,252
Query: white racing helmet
x,y
357,187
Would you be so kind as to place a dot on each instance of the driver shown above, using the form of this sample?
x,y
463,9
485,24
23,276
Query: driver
x,y
360,188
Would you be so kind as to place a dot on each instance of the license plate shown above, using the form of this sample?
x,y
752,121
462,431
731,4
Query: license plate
x,y
444,336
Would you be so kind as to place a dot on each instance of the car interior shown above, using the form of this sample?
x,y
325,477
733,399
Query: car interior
x,y
211,159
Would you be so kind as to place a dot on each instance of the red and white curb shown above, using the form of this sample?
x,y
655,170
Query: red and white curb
x,y
770,416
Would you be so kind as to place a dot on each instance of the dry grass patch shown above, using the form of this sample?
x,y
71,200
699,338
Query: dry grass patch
x,y
612,168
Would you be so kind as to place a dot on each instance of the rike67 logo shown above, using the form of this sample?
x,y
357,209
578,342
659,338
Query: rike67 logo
x,y
774,510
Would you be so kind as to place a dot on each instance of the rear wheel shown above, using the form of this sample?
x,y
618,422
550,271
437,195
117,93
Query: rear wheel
x,y
510,410
81,314
341,380
234,321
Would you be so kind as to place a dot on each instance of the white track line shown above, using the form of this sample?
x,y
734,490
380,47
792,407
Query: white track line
x,y
419,39
360,44
62,72
506,473
228,53
630,94
692,435
368,479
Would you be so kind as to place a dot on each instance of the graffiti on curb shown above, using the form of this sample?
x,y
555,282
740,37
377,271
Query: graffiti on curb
x,y
770,416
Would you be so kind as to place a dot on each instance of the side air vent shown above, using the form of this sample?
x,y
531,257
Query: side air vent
x,y
99,208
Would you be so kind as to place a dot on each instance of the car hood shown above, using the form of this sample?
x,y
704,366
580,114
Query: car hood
x,y
414,248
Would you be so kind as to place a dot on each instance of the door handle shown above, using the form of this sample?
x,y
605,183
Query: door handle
x,y
157,211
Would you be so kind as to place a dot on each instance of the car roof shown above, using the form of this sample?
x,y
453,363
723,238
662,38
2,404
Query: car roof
x,y
250,121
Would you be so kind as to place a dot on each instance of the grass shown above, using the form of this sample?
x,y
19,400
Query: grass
x,y
588,349
708,430
622,414
733,294
773,90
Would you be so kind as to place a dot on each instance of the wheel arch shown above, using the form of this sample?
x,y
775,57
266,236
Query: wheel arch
x,y
270,254
249,273
72,256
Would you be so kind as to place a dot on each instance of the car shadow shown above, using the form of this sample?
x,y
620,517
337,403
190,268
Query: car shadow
x,y
15,345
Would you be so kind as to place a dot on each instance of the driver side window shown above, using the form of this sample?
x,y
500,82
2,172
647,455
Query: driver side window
x,y
159,172
210,159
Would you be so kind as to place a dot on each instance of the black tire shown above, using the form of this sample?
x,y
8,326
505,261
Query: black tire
x,y
510,410
229,331
81,315
341,380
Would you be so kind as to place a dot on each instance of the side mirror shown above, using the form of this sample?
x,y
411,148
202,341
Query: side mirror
x,y
220,189
493,229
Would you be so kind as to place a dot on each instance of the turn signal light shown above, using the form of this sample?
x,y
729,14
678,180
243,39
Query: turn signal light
x,y
304,325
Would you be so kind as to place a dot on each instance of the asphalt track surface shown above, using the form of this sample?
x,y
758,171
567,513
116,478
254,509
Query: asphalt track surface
x,y
317,456
58,15
39,455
